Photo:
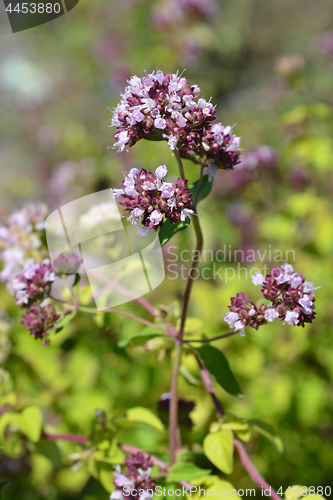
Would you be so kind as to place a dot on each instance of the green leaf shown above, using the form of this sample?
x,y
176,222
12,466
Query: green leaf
x,y
168,230
219,449
218,366
238,425
106,478
31,422
213,482
2,485
187,472
244,435
64,321
50,450
234,423
268,432
141,414
76,280
141,337
206,187
154,136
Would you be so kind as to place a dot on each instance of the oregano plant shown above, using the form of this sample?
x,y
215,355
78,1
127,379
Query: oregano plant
x,y
155,107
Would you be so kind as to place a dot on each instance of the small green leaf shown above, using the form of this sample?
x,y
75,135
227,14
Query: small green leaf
x,y
219,449
141,414
268,432
154,136
234,423
76,280
244,435
218,366
64,321
141,337
225,487
206,187
238,425
168,230
187,472
31,422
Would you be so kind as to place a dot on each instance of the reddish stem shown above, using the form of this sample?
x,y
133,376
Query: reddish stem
x,y
209,340
74,438
127,448
248,465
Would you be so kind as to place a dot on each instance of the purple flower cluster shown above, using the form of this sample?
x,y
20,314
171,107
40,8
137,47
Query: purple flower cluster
x,y
33,283
291,296
252,162
136,478
148,198
159,106
39,319
172,12
27,275
20,240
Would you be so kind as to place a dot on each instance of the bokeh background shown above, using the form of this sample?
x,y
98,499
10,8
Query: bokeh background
x,y
269,68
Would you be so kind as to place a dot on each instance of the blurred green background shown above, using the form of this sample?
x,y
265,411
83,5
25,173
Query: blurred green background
x,y
269,68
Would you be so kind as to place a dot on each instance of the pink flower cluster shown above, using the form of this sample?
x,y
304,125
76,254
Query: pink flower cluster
x,y
291,296
33,283
136,478
20,239
159,106
27,275
148,198
172,12
39,319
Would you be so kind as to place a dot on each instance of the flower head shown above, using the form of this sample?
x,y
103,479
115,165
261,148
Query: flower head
x,y
33,283
136,477
291,296
149,199
167,107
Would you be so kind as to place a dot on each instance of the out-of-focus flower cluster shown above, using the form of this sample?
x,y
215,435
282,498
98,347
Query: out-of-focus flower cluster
x,y
148,198
26,271
291,296
20,240
169,13
252,163
167,107
136,477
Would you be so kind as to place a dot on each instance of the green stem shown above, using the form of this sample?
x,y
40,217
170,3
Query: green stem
x,y
229,334
199,247
173,408
128,315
